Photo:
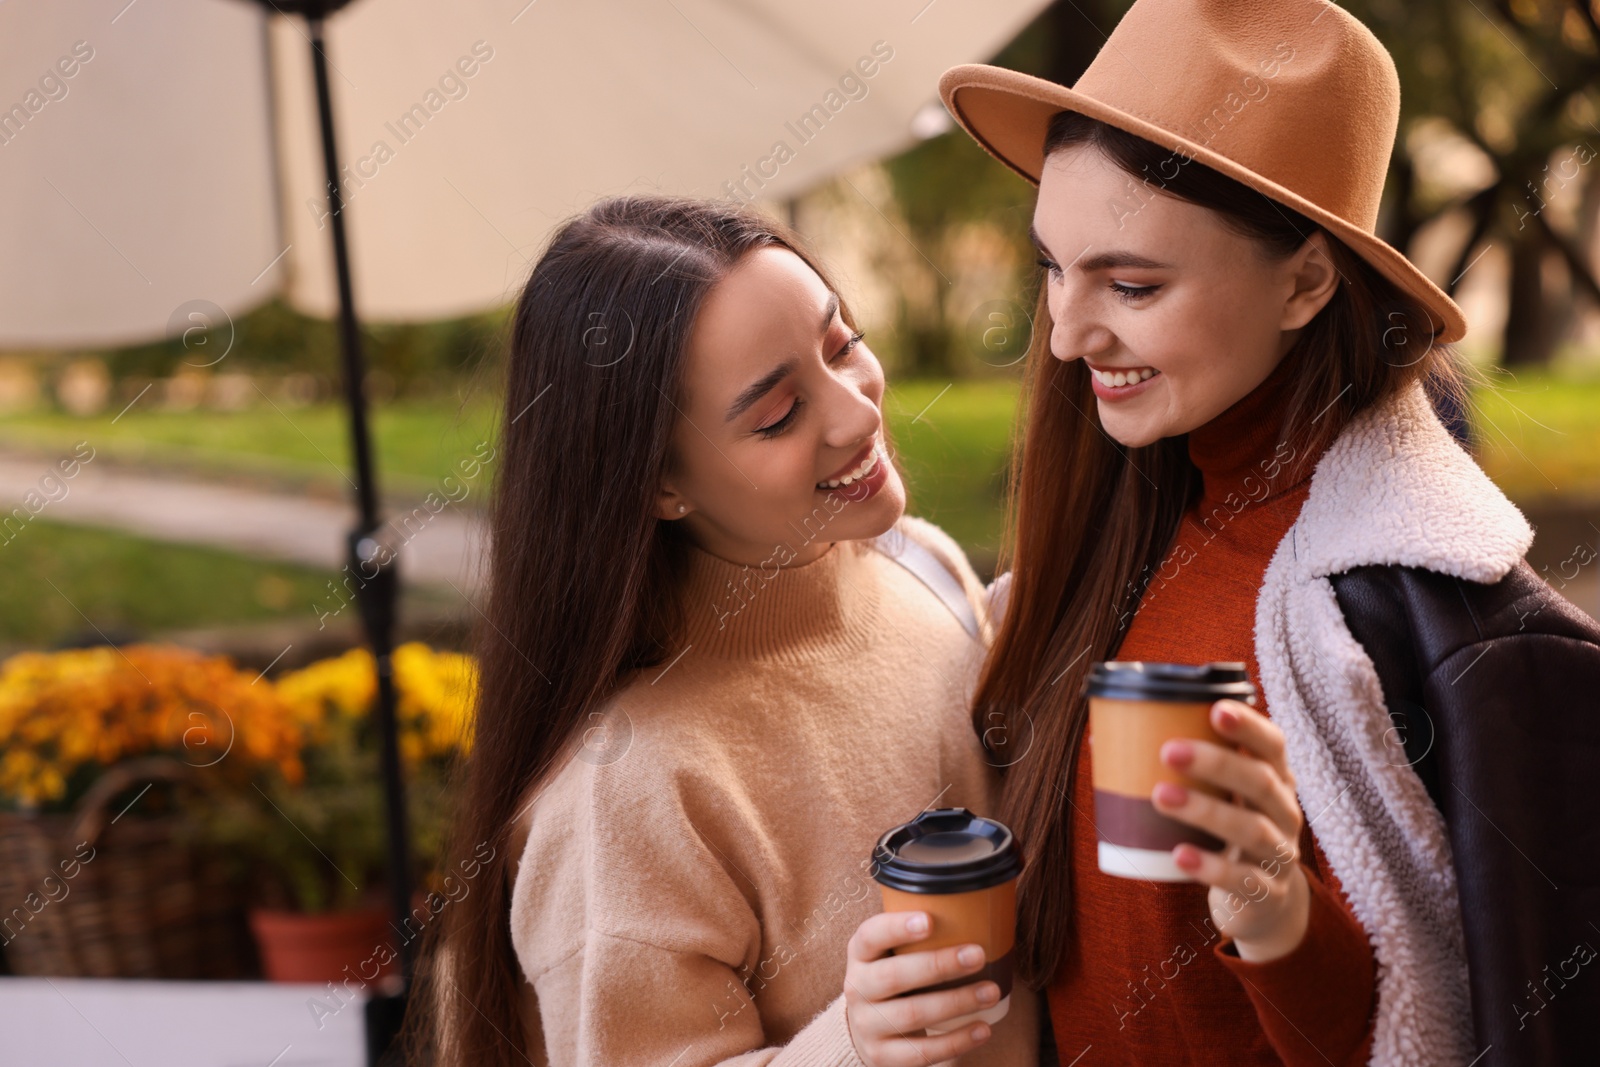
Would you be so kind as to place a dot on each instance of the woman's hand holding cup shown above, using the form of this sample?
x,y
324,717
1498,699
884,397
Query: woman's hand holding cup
x,y
886,1026
1259,895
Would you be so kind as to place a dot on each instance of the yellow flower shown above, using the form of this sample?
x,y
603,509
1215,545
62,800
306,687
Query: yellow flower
x,y
63,711
435,692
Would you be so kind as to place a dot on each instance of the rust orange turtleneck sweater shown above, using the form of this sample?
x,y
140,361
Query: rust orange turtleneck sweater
x,y
1147,979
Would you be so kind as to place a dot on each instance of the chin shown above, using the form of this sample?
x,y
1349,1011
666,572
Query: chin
x,y
864,520
1135,435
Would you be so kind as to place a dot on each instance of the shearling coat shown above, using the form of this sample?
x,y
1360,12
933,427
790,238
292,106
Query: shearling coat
x,y
1492,867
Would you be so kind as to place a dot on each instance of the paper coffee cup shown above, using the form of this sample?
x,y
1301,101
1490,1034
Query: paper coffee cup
x,y
961,869
1133,709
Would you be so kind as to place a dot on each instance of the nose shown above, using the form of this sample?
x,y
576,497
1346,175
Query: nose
x,y
858,416
1074,331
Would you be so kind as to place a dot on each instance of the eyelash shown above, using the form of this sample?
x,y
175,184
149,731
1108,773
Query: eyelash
x,y
776,428
1128,294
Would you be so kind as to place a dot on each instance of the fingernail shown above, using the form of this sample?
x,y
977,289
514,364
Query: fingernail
x,y
970,956
1227,718
1177,753
1171,795
979,1032
988,993
917,924
1187,857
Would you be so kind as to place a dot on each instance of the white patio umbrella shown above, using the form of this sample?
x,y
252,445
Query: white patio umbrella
x,y
158,153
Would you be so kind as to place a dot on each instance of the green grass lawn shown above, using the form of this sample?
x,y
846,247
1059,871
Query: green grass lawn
x,y
1539,437
69,584
954,445
416,442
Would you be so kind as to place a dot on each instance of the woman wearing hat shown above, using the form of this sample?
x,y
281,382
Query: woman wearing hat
x,y
1232,454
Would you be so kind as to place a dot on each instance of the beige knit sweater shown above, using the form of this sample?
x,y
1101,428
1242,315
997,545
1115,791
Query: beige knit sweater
x,y
691,876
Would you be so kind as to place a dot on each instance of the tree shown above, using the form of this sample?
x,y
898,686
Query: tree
x,y
1513,77
948,183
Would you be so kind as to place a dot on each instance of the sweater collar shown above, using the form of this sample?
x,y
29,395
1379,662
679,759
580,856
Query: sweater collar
x,y
1395,489
779,610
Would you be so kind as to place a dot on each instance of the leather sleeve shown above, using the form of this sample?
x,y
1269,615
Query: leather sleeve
x,y
1496,693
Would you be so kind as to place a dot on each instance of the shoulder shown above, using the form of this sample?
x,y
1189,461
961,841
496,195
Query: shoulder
x,y
954,559
1472,661
1495,692
999,595
940,544
1441,616
620,840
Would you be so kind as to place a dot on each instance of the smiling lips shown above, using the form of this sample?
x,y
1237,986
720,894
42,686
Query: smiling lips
x,y
1117,379
859,468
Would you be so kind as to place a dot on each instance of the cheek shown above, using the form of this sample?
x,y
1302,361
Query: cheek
x,y
788,466
1198,335
1212,352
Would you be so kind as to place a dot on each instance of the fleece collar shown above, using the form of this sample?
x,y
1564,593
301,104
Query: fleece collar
x,y
1395,489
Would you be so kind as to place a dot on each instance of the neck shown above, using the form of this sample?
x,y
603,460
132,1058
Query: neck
x,y
1244,450
781,607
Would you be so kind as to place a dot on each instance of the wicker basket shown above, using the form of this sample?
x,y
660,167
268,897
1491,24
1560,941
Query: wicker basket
x,y
144,903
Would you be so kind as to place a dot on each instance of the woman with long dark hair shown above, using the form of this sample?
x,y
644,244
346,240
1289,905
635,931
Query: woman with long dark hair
x,y
1230,452
717,663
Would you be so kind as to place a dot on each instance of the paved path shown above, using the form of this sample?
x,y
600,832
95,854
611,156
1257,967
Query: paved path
x,y
436,548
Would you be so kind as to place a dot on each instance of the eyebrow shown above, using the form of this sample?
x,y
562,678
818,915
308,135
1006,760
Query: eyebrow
x,y
764,384
1102,260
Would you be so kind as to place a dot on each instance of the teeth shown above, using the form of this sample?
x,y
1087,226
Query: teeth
x,y
867,466
1116,379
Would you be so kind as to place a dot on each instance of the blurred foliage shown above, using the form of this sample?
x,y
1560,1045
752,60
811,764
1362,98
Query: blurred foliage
x,y
953,443
412,358
1539,436
1515,79
947,185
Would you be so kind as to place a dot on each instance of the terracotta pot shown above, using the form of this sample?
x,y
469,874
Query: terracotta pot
x,y
334,947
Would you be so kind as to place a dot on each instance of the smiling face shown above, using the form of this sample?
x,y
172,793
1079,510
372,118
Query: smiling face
x,y
1177,316
780,435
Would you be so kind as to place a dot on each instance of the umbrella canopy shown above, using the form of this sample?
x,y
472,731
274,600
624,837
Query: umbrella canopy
x,y
160,153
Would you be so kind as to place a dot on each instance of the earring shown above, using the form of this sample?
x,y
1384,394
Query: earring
x,y
682,509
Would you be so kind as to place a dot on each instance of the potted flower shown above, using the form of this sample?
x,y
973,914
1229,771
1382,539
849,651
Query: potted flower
x,y
102,751
315,842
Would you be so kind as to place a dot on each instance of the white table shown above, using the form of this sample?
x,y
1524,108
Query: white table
x,y
78,1022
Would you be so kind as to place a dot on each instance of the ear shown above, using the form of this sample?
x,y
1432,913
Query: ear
x,y
1314,278
671,505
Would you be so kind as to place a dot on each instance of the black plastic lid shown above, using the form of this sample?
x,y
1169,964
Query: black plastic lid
x,y
946,850
1131,680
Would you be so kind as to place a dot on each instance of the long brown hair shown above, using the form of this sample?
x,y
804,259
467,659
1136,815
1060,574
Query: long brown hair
x,y
1089,520
583,578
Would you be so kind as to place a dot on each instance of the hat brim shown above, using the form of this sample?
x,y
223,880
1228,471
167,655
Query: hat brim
x,y
1008,113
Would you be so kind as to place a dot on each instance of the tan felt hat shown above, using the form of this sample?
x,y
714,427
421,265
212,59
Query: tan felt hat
x,y
1295,98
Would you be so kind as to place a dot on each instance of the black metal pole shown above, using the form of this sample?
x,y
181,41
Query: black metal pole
x,y
371,561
